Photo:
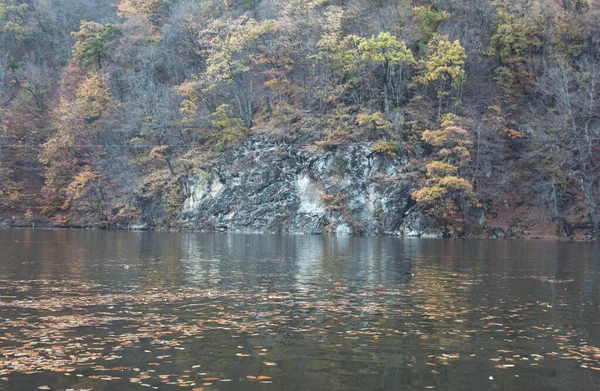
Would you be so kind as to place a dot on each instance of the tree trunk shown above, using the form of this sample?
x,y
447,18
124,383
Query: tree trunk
x,y
386,98
477,157
169,165
243,101
269,108
587,186
554,198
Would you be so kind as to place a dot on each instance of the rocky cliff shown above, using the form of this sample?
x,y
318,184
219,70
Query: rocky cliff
x,y
271,186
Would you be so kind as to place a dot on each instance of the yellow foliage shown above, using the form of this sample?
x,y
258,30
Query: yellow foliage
x,y
188,107
439,198
375,120
496,118
385,49
9,189
78,185
383,146
434,200
174,199
158,153
92,97
452,139
455,184
301,7
332,30
29,216
229,129
190,91
237,51
444,185
333,202
445,62
437,169
152,9
429,194
428,20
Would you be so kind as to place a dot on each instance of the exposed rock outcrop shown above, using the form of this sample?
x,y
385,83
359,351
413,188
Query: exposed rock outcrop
x,y
266,186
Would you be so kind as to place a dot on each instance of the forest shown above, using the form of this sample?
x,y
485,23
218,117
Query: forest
x,y
496,103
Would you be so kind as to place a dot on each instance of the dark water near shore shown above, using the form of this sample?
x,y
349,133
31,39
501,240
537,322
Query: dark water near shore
x,y
96,310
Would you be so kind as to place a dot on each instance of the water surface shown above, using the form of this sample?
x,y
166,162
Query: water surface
x,y
96,310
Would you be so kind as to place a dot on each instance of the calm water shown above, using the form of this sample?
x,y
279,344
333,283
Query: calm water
x,y
94,310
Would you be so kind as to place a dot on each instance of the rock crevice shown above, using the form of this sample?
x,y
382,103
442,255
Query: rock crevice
x,y
347,190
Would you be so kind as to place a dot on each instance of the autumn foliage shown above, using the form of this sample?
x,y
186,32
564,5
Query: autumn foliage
x,y
139,93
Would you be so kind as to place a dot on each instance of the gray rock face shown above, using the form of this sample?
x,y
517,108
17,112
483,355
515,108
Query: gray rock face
x,y
265,186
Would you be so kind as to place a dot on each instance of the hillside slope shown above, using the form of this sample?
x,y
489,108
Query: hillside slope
x,y
345,116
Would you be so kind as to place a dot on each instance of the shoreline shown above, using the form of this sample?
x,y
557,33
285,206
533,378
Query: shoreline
x,y
428,236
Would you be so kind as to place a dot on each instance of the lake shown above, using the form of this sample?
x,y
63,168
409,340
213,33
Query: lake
x,y
101,310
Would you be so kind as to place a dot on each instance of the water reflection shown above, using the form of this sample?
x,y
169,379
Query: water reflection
x,y
334,313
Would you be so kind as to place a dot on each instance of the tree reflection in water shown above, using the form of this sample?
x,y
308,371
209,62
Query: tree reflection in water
x,y
83,309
